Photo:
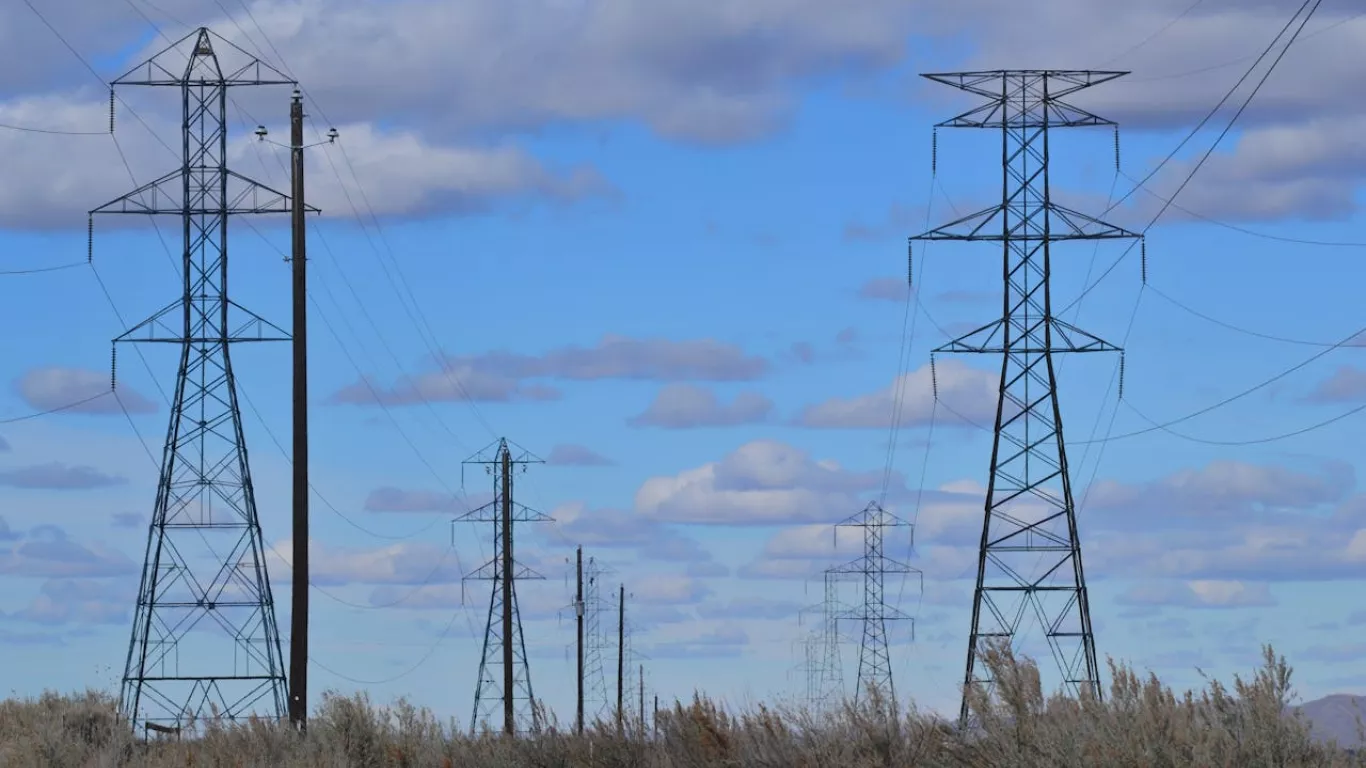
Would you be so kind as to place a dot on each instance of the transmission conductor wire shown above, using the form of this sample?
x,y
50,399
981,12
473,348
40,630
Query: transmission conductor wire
x,y
402,278
1241,59
1209,116
429,337
1152,36
425,658
421,457
1246,230
108,296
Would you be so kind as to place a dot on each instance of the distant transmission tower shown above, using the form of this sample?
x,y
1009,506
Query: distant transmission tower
x,y
824,673
204,636
597,704
504,644
874,662
1029,506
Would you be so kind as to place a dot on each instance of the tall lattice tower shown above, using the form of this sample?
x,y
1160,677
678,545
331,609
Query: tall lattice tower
x,y
1029,535
204,634
598,705
504,643
824,673
874,661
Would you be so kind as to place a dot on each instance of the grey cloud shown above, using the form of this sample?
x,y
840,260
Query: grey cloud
x,y
727,640
1346,385
500,376
573,455
7,533
1296,153
47,552
845,347
128,520
448,385
618,528
1226,491
705,73
390,499
85,602
685,406
707,569
892,289
58,387
1199,594
58,477
749,608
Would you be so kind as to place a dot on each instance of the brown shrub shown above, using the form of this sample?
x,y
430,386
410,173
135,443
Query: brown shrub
x,y
1141,723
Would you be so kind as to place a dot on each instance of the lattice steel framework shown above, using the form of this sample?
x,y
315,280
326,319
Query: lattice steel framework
x,y
504,643
874,662
596,643
824,672
180,668
1029,534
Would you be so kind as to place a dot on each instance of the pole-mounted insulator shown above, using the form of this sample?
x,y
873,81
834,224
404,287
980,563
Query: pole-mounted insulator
x,y
910,263
1116,149
90,240
1121,374
113,367
111,109
1143,258
934,378
934,151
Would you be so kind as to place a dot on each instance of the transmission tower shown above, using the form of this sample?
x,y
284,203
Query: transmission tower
x,y
824,673
596,643
874,662
204,638
1029,506
504,644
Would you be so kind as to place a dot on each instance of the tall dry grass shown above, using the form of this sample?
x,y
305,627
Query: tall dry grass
x,y
1140,723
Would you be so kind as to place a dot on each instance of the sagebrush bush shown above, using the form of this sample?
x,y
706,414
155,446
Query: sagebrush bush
x,y
1140,723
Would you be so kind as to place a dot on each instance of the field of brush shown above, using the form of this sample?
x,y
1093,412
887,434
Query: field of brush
x,y
1139,723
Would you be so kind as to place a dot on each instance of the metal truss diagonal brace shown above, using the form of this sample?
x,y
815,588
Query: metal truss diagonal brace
x,y
990,339
161,196
156,329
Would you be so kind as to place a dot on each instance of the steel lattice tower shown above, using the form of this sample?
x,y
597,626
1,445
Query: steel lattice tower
x,y
1029,534
504,643
595,644
824,673
204,634
874,663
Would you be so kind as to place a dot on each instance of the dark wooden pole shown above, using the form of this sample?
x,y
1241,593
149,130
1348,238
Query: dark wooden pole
x,y
298,620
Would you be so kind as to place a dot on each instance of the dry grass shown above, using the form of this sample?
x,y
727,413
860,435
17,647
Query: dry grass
x,y
1140,723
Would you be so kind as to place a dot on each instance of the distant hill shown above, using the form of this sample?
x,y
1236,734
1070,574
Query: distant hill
x,y
1334,717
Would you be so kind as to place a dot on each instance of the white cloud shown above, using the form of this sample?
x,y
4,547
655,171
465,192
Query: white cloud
x,y
763,482
971,392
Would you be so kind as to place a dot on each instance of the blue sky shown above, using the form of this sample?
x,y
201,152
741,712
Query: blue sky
x,y
604,237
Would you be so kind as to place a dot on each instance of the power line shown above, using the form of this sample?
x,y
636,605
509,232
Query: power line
x,y
1168,202
1245,230
1153,35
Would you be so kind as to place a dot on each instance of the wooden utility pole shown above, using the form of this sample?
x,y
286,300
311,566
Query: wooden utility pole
x,y
621,657
298,619
578,611
509,714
